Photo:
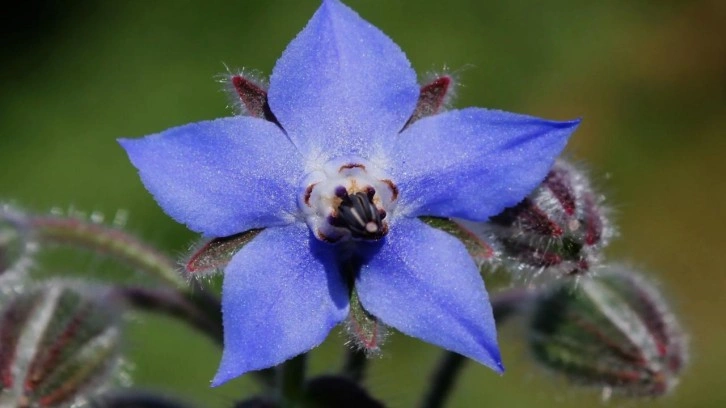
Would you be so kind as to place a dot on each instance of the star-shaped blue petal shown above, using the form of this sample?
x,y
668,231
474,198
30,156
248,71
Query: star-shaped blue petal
x,y
344,81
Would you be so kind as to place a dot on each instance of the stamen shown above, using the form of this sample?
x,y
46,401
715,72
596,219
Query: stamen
x,y
348,199
341,192
359,215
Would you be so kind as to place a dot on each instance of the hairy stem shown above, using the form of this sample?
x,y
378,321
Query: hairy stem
x,y
129,399
291,380
189,308
198,309
355,364
107,240
443,379
187,302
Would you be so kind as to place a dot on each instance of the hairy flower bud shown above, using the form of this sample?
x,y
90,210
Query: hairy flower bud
x,y
612,330
59,346
558,230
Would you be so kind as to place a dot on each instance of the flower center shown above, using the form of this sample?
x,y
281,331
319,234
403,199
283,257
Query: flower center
x,y
348,200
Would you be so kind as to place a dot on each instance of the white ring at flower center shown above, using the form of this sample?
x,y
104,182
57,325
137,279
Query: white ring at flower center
x,y
326,189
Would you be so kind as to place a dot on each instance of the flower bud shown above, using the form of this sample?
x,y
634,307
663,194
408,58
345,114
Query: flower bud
x,y
558,230
59,346
612,330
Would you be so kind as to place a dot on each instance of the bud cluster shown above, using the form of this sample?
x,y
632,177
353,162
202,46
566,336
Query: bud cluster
x,y
60,340
609,328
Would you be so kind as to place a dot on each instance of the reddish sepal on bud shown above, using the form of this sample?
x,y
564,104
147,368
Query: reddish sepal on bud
x,y
612,330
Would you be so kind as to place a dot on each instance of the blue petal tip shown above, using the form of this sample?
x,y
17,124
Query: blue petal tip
x,y
574,122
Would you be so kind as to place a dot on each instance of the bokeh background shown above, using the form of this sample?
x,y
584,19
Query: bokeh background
x,y
648,77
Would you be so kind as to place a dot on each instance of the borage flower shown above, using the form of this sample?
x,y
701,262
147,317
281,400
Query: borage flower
x,y
336,173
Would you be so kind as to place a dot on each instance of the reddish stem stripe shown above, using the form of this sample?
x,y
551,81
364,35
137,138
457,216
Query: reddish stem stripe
x,y
594,222
45,363
529,217
668,341
368,342
536,220
9,340
561,188
654,322
612,345
63,393
12,323
675,359
533,256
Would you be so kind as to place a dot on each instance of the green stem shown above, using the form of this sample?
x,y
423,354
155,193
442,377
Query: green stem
x,y
198,309
188,308
291,380
186,302
133,398
107,240
355,364
443,380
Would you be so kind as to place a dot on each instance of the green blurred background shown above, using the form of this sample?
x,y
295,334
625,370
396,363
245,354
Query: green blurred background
x,y
648,77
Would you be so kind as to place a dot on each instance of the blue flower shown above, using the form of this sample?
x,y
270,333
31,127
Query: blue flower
x,y
338,188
